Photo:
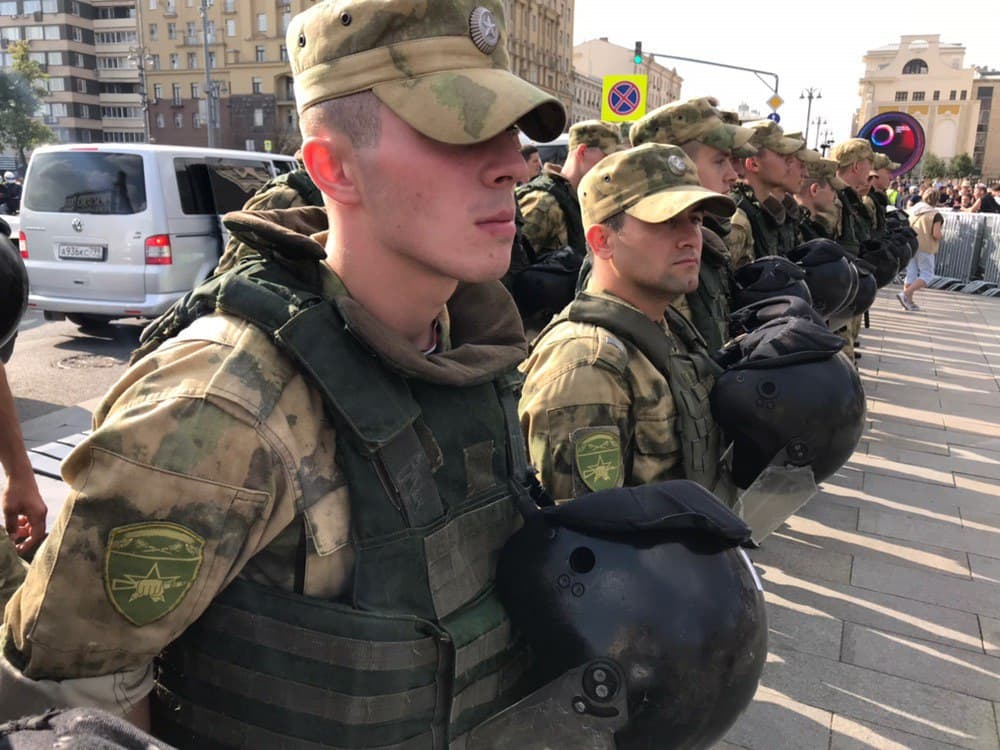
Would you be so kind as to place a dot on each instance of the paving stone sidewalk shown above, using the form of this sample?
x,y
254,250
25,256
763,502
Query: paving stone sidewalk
x,y
884,591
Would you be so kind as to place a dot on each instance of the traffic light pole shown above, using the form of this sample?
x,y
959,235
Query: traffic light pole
x,y
639,54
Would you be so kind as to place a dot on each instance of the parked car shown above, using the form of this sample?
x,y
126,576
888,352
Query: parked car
x,y
123,230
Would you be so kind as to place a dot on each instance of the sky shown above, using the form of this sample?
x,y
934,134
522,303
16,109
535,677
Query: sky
x,y
808,45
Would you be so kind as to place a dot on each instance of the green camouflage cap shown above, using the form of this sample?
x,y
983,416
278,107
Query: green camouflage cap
x,y
850,151
767,134
652,182
730,118
805,154
442,67
881,161
595,134
693,120
825,169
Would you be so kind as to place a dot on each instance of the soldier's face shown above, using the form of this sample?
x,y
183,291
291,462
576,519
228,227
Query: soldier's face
x,y
659,259
715,168
448,210
771,168
796,173
824,195
534,165
882,178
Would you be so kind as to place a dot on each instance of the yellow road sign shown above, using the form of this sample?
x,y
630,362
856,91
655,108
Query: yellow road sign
x,y
623,98
775,101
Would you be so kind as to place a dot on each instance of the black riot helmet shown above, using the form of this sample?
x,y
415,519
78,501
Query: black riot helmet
x,y
882,259
791,399
867,287
770,276
13,287
831,279
643,597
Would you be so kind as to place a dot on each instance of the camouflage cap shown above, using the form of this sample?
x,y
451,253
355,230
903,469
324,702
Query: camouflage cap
x,y
652,182
825,170
850,151
881,161
441,67
694,120
805,155
595,134
767,134
730,118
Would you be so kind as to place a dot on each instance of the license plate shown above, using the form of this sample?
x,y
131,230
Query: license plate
x,y
82,252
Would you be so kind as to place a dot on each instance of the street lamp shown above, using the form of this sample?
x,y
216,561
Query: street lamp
x,y
819,122
810,94
141,59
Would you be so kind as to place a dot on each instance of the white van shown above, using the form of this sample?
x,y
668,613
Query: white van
x,y
123,230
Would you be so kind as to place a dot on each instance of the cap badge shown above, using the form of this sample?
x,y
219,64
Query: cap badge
x,y
483,30
676,164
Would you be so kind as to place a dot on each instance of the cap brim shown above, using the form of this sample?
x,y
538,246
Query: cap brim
x,y
785,146
808,156
670,202
741,140
473,105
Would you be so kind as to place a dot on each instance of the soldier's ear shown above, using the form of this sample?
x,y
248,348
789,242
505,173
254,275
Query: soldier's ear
x,y
597,239
328,163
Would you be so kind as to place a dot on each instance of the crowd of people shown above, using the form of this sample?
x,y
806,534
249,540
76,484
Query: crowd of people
x,y
338,498
953,195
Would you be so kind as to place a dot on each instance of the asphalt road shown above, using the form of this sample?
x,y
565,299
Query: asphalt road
x,y
55,364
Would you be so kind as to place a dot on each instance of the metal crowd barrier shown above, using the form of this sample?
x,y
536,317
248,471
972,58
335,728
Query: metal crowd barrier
x,y
968,258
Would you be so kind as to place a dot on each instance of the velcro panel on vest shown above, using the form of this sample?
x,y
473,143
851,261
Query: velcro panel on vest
x,y
267,659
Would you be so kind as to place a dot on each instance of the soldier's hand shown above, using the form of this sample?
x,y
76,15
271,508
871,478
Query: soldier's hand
x,y
24,513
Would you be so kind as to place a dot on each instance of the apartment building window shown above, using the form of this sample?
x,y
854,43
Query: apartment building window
x,y
283,53
286,18
192,60
259,54
951,95
964,92
50,6
170,9
161,121
918,96
157,91
915,67
156,62
77,33
937,96
8,9
230,27
33,32
154,32
211,60
32,6
195,120
258,118
229,6
195,91
174,61
178,119
51,32
152,4
256,85
177,95
901,96
262,23
171,31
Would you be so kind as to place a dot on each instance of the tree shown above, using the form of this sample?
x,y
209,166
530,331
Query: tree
x,y
934,167
20,98
962,166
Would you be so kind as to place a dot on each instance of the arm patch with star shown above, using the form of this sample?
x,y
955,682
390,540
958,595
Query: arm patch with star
x,y
597,458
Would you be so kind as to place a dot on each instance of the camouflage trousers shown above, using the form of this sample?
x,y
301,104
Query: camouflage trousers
x,y
12,569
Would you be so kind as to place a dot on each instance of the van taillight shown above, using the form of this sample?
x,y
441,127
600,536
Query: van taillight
x,y
158,250
22,243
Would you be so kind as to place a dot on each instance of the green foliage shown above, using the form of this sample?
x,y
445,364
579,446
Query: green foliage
x,y
20,98
961,166
935,167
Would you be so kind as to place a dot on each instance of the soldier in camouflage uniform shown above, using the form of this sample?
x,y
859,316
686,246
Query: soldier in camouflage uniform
x,y
549,204
294,499
616,389
875,199
697,127
760,225
817,200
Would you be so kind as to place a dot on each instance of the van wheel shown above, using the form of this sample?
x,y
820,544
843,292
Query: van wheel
x,y
83,320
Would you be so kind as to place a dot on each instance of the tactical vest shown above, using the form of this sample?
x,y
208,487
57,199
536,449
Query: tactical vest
x,y
855,227
689,373
561,191
769,236
709,303
422,650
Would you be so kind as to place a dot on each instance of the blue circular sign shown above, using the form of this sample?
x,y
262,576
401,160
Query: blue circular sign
x,y
624,98
774,116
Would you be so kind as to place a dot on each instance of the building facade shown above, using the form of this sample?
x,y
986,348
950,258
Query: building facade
x,y
540,44
986,148
598,58
926,78
587,92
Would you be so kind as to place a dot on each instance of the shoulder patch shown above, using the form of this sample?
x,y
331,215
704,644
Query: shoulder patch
x,y
611,351
597,457
149,568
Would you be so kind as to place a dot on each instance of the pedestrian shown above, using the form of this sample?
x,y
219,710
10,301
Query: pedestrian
x,y
294,499
927,222
983,202
533,159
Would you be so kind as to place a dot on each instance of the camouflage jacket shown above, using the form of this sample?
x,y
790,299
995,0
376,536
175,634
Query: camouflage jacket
x,y
212,450
551,211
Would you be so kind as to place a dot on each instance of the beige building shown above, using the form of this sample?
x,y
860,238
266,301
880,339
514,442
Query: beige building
x,y
540,44
926,78
986,149
598,58
586,98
